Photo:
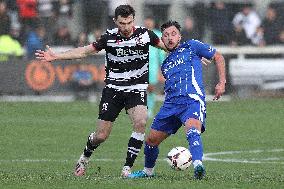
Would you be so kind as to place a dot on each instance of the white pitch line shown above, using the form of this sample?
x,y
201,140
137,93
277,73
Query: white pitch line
x,y
255,160
207,157
238,152
51,160
120,160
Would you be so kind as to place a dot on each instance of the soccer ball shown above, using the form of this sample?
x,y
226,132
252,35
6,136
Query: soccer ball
x,y
179,158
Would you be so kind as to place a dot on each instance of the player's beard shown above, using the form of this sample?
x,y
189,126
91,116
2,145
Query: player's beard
x,y
126,33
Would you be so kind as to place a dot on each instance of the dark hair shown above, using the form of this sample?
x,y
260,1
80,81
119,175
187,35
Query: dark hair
x,y
169,24
124,11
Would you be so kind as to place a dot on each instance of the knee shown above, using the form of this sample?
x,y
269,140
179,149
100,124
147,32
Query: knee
x,y
140,125
193,123
151,141
197,127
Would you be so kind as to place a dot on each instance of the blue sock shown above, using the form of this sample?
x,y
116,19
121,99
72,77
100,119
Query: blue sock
x,y
151,154
195,144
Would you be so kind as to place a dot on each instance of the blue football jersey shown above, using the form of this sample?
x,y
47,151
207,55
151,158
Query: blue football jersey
x,y
182,69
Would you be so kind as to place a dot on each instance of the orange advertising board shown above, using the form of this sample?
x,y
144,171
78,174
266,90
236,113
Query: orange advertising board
x,y
40,75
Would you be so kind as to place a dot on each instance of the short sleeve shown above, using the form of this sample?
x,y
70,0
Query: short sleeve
x,y
202,49
101,43
154,39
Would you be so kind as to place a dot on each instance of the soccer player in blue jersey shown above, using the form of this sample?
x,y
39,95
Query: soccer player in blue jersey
x,y
184,97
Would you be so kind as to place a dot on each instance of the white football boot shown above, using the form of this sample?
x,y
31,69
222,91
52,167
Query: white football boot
x,y
80,167
126,170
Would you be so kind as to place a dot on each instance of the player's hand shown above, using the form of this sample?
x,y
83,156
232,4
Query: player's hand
x,y
219,90
47,55
205,61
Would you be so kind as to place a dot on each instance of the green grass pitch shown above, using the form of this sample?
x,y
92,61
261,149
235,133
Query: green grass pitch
x,y
40,143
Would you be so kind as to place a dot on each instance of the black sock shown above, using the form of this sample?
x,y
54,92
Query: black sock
x,y
134,146
89,149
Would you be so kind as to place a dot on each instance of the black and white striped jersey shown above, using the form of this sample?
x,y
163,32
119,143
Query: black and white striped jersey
x,y
127,59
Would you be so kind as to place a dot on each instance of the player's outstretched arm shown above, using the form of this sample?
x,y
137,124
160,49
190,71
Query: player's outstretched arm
x,y
220,66
161,45
76,53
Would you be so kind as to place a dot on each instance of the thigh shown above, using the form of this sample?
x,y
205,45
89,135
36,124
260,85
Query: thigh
x,y
194,115
111,105
166,120
138,113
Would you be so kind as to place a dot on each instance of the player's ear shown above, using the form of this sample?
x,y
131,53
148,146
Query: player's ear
x,y
114,20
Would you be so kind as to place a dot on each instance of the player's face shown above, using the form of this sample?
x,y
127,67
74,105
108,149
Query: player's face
x,y
171,37
125,25
149,23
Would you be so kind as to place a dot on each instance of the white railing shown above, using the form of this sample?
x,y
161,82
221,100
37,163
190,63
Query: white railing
x,y
246,50
266,73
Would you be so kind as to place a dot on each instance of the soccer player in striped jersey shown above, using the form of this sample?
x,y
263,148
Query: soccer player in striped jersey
x,y
127,58
184,97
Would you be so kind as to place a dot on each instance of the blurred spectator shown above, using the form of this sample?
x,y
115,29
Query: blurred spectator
x,y
188,32
13,14
62,36
89,8
47,17
28,14
200,18
45,9
94,36
150,24
271,26
15,33
9,47
257,38
281,37
95,14
5,23
156,58
64,11
35,41
82,81
220,23
249,20
239,37
82,40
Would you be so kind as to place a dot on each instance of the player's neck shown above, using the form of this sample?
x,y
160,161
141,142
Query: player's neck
x,y
122,35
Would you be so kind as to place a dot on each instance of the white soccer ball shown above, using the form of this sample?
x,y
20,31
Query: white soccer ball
x,y
179,158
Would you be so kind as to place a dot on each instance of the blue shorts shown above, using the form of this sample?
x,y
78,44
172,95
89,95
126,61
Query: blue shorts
x,y
172,115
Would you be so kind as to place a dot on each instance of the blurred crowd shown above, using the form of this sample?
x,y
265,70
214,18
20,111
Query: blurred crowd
x,y
245,27
27,25
30,24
